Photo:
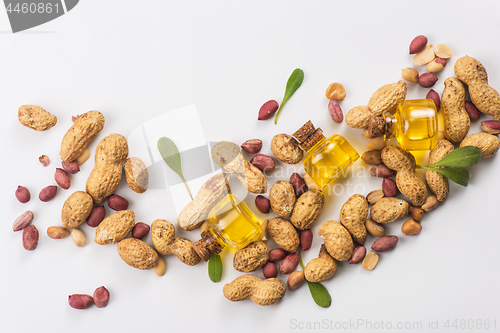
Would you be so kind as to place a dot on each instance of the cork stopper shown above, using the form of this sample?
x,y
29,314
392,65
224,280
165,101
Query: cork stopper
x,y
304,132
308,135
376,127
313,139
207,246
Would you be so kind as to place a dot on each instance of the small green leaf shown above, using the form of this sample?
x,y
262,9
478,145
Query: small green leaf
x,y
293,83
171,156
215,268
458,175
320,294
462,157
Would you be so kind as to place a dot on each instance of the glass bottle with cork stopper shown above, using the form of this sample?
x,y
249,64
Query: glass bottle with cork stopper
x,y
327,158
231,223
414,125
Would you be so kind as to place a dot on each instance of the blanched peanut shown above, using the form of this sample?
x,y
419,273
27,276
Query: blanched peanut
x,y
78,238
425,56
161,266
374,228
83,157
409,74
374,196
443,51
370,261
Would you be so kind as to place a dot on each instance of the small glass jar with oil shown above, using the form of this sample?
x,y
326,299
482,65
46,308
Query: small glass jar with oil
x,y
414,124
327,158
232,224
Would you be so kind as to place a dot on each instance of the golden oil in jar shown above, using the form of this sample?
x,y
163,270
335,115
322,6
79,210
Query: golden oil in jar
x,y
327,158
414,124
232,224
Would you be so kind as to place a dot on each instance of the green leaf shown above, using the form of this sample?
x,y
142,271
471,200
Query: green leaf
x,y
459,175
293,83
171,156
215,268
462,157
320,294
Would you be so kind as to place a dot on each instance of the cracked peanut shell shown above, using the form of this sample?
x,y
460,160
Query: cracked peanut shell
x,y
286,149
136,174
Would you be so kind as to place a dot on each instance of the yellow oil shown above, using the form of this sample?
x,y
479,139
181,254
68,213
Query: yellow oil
x,y
329,158
417,124
233,223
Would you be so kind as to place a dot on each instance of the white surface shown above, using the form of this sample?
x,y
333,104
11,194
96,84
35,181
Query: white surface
x,y
136,60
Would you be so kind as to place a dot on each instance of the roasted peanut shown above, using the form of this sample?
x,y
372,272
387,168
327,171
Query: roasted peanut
x,y
372,157
101,297
252,146
295,279
57,232
432,94
298,183
23,194
23,220
384,243
263,162
417,44
430,203
268,109
358,254
411,227
30,237
335,91
335,112
270,270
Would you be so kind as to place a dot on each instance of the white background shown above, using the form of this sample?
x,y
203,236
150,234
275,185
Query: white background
x,y
134,60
